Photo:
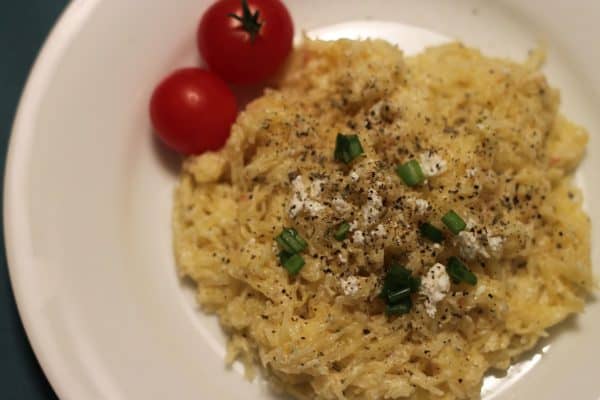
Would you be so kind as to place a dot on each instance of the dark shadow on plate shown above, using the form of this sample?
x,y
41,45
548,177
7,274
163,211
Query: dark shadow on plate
x,y
169,159
273,392
188,283
189,287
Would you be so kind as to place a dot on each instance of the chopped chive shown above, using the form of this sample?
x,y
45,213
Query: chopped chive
x,y
431,232
398,278
459,272
294,264
283,256
347,148
388,286
398,285
399,272
395,296
290,241
414,283
354,147
340,153
403,307
454,222
391,284
403,277
341,231
411,173
284,245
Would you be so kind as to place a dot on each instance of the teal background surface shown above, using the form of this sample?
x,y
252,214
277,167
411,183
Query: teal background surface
x,y
23,28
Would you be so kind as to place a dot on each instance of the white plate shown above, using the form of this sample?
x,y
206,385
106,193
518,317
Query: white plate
x,y
88,191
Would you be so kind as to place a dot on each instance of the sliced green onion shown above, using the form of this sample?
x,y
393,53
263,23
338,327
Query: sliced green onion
x,y
347,148
403,307
459,272
354,147
392,284
341,231
290,242
403,277
398,285
341,149
414,283
294,264
395,296
399,272
398,278
388,286
283,256
454,222
411,173
431,232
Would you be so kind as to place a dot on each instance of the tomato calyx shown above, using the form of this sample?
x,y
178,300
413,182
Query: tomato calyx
x,y
249,21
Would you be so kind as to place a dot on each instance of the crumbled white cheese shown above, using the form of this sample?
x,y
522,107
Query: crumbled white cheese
x,y
469,246
342,258
350,285
372,207
435,285
298,185
353,226
432,164
471,223
376,109
358,237
316,187
480,290
482,126
495,243
381,185
300,199
296,205
379,231
471,172
437,246
313,207
421,205
354,176
341,205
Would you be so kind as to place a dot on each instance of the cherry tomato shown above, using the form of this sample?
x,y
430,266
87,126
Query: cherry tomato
x,y
192,111
245,41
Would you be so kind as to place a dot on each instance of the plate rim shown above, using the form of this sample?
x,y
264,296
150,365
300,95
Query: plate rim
x,y
17,242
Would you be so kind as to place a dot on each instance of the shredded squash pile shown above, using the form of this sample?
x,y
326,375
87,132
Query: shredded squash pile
x,y
487,135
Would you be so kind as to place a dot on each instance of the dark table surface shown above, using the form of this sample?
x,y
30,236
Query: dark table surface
x,y
23,27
